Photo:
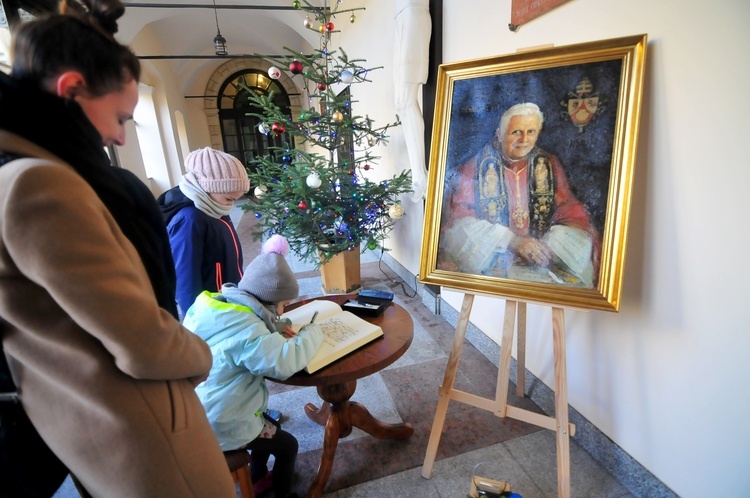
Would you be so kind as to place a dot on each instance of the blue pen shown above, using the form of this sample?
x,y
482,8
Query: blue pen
x,y
315,315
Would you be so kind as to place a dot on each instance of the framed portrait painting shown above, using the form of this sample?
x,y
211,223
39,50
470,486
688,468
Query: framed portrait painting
x,y
531,170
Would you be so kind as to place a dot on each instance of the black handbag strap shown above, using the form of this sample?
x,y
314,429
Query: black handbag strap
x,y
8,390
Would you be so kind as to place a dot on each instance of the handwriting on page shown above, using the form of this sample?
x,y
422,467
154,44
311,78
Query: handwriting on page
x,y
337,332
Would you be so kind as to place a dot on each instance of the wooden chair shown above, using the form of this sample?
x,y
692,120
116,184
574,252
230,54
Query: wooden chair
x,y
237,461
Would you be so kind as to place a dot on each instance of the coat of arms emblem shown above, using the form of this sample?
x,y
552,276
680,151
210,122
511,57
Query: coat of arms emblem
x,y
583,105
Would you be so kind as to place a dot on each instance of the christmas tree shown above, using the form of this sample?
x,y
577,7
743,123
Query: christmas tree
x,y
316,192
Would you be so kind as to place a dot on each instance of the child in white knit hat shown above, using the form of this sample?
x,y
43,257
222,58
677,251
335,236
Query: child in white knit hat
x,y
249,342
205,246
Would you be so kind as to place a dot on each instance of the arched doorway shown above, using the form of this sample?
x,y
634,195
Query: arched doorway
x,y
239,128
220,81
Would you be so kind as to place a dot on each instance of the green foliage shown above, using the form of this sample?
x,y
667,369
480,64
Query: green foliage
x,y
347,209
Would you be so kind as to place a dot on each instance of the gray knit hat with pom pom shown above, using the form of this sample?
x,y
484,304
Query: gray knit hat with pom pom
x,y
268,277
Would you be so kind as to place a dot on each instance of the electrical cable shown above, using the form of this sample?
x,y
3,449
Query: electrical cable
x,y
401,283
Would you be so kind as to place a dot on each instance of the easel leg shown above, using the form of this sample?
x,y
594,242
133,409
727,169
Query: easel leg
x,y
447,386
503,372
561,404
521,351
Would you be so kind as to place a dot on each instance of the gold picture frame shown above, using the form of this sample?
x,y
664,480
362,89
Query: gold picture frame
x,y
530,211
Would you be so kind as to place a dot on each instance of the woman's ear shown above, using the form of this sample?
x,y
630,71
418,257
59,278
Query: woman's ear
x,y
70,84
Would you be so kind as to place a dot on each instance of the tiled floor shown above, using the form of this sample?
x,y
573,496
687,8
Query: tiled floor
x,y
473,440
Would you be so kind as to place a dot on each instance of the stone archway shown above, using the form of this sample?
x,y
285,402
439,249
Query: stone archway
x,y
224,72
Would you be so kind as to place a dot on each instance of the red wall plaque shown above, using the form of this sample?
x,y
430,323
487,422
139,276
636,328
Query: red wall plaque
x,y
523,11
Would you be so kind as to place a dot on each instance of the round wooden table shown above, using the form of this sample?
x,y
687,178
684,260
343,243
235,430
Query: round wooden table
x,y
337,382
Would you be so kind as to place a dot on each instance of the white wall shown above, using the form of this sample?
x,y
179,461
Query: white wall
x,y
364,40
665,377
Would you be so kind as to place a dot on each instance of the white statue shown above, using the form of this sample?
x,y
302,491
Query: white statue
x,y
411,57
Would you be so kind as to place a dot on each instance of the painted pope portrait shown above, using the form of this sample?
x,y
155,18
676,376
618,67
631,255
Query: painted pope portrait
x,y
526,183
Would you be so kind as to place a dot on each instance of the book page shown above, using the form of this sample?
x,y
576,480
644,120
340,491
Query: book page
x,y
344,332
301,316
344,328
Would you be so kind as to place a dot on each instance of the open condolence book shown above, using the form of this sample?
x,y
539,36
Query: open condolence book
x,y
344,331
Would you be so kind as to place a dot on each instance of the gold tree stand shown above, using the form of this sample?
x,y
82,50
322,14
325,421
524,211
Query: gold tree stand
x,y
341,274
499,406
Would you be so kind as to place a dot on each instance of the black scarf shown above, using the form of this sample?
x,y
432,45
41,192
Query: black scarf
x,y
61,127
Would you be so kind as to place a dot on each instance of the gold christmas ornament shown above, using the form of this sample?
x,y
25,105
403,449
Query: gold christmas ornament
x,y
396,211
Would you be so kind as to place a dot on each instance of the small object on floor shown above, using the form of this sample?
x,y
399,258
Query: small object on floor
x,y
264,484
483,487
273,414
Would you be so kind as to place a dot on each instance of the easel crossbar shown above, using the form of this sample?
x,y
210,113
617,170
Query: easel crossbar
x,y
530,417
511,411
473,400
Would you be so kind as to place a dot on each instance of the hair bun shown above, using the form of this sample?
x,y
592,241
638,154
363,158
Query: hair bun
x,y
276,244
105,12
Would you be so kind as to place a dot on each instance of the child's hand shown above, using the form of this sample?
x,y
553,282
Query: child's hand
x,y
288,332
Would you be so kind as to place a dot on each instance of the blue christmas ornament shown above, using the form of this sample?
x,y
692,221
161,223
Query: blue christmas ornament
x,y
258,215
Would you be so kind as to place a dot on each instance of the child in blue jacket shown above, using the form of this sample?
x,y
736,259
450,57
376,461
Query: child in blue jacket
x,y
205,247
249,342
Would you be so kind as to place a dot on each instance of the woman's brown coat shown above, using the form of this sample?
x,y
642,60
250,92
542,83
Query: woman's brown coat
x,y
103,372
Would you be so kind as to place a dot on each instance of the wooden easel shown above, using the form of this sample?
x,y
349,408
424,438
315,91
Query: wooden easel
x,y
499,406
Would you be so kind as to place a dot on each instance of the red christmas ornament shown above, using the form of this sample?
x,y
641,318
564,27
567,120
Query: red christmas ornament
x,y
367,167
321,86
329,27
302,205
278,128
295,66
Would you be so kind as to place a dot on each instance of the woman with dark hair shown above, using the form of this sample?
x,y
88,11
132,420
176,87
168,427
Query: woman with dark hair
x,y
102,367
